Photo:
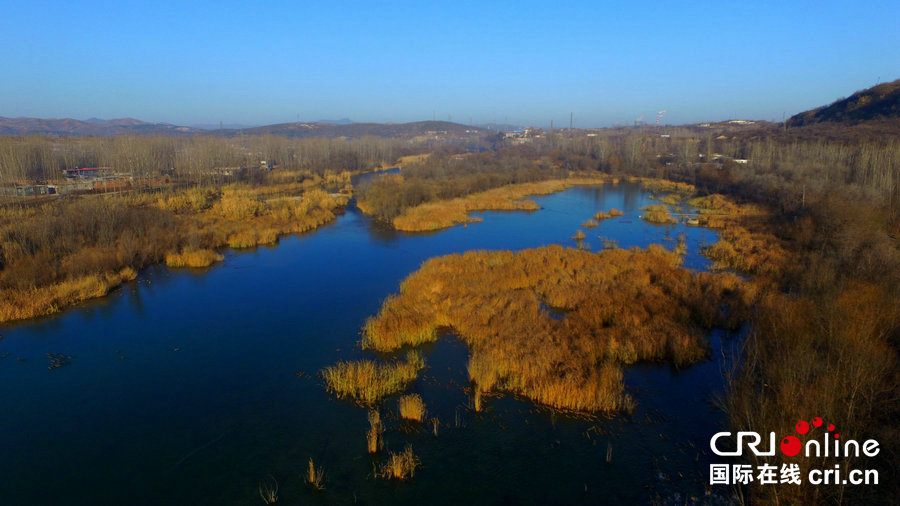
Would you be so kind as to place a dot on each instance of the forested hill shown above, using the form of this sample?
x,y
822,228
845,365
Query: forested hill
x,y
878,103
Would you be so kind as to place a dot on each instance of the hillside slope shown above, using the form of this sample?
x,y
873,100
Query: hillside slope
x,y
878,103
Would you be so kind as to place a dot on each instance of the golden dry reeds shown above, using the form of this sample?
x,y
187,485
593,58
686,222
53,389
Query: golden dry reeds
x,y
657,214
400,466
65,251
665,186
367,381
758,252
446,213
411,407
374,441
17,304
315,476
194,258
605,215
621,307
268,490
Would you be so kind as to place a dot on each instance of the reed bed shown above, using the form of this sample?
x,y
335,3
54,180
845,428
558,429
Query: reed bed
x,y
657,214
63,252
367,381
400,466
605,215
315,476
759,252
412,407
374,440
621,307
18,303
268,490
195,258
660,186
441,214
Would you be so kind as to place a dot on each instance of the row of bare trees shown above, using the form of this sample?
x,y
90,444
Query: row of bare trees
x,y
45,158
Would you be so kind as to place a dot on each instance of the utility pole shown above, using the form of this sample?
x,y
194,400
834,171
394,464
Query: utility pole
x,y
571,120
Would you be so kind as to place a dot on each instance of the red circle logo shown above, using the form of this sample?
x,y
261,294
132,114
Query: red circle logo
x,y
790,446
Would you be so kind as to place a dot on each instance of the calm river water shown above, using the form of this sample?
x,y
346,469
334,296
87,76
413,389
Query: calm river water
x,y
183,386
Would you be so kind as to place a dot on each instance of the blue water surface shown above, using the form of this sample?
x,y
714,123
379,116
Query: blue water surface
x,y
193,386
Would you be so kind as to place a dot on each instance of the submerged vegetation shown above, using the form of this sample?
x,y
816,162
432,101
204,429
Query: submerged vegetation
x,y
621,307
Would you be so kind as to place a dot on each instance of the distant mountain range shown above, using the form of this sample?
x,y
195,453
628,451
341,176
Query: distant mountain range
x,y
93,126
330,128
878,103
356,130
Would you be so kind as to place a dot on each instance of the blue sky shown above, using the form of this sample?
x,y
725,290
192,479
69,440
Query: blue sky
x,y
519,62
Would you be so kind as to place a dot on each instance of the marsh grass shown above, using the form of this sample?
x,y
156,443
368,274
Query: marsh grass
x,y
605,215
412,407
315,476
367,381
400,466
658,214
374,440
194,258
268,490
441,214
591,223
659,186
745,243
621,307
65,251
672,199
17,303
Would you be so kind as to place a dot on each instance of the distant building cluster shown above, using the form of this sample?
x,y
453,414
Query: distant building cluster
x,y
522,135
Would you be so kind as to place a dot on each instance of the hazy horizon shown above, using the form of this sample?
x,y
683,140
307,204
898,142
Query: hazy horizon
x,y
470,63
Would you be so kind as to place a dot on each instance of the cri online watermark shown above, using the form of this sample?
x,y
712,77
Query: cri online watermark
x,y
830,445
